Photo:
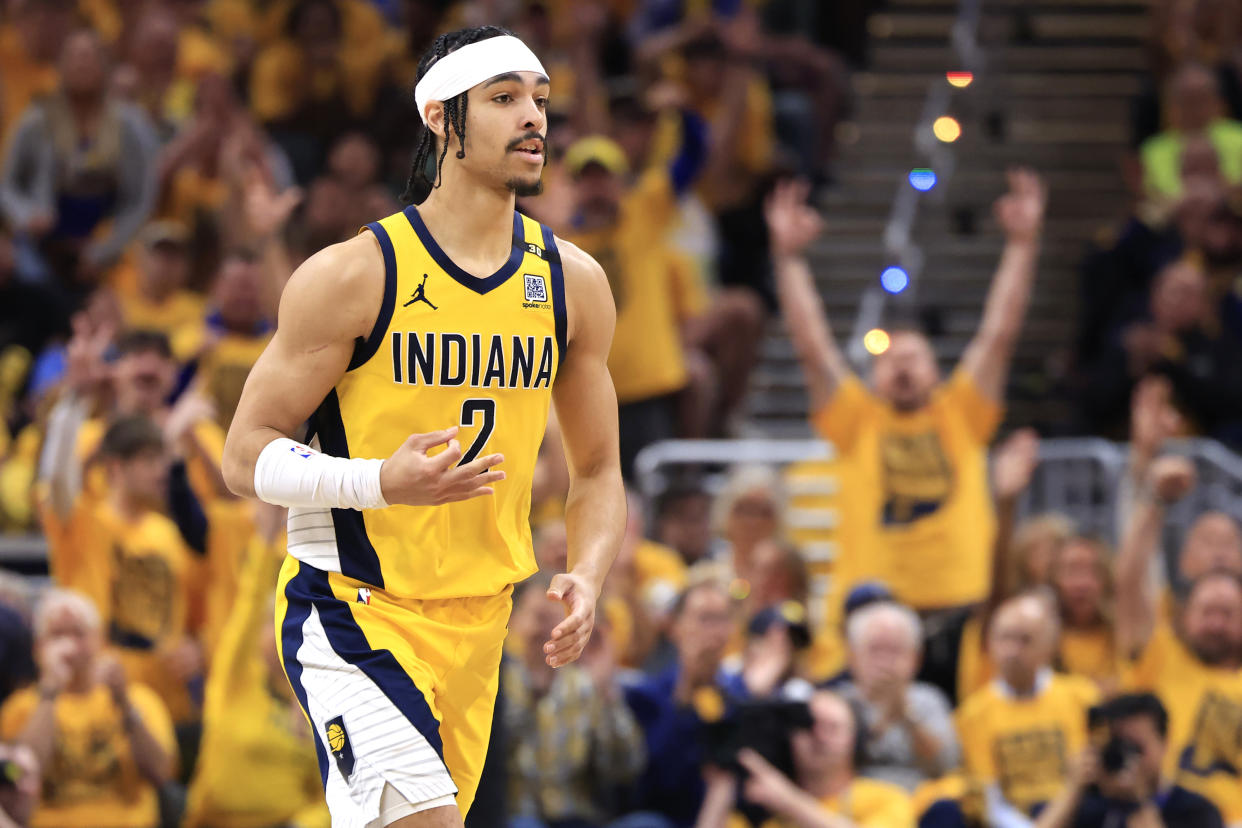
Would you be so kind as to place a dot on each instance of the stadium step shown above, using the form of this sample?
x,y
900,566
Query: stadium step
x,y
1055,94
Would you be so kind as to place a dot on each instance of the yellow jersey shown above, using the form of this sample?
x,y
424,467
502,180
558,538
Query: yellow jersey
x,y
915,504
1205,718
1024,745
92,780
448,349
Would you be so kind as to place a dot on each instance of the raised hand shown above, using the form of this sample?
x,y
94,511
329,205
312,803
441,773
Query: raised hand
x,y
266,211
792,223
1153,419
1020,212
112,675
1014,463
86,371
1171,478
413,477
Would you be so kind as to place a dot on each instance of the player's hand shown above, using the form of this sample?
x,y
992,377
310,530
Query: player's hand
x,y
415,478
1020,212
792,223
571,635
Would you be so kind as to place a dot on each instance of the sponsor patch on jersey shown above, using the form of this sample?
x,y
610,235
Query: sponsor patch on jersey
x,y
536,288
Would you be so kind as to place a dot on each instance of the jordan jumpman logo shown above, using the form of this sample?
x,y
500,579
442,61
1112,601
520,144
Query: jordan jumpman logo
x,y
420,295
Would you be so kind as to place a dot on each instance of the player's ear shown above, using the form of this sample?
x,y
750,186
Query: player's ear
x,y
435,118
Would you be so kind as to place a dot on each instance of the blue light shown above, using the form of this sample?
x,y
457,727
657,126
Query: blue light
x,y
922,179
894,279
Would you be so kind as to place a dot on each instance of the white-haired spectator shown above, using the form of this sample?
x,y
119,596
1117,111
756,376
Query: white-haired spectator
x,y
910,736
105,745
748,511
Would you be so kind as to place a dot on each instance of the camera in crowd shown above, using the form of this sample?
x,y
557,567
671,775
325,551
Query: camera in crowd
x,y
764,725
1116,752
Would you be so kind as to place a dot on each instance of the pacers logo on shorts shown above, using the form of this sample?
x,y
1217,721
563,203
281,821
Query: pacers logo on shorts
x,y
338,743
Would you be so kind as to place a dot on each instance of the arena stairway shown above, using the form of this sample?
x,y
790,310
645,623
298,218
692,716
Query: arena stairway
x,y
1055,94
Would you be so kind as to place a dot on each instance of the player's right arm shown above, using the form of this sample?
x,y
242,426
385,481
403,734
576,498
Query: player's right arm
x,y
329,303
792,225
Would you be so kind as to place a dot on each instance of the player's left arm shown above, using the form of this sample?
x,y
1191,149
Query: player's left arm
x,y
586,406
1020,213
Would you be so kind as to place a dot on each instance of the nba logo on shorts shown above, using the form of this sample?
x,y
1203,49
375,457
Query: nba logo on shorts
x,y
536,288
364,595
338,743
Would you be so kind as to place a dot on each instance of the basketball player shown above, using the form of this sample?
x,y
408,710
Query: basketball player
x,y
436,338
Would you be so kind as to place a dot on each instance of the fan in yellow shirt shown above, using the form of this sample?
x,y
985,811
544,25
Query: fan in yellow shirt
x,y
127,556
1081,577
656,289
159,300
257,764
916,511
103,743
825,784
1195,665
1019,732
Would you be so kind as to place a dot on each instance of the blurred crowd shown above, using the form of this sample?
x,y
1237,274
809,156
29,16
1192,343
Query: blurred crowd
x,y
167,164
1159,291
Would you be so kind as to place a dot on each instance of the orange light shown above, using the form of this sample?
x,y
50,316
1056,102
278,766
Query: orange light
x,y
876,341
947,129
959,79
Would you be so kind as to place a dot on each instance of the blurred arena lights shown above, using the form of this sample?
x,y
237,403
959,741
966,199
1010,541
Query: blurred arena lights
x,y
959,79
922,179
947,129
875,341
894,279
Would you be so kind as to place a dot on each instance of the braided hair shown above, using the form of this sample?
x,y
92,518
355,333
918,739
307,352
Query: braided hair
x,y
422,181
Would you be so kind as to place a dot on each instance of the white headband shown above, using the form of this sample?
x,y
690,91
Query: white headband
x,y
470,65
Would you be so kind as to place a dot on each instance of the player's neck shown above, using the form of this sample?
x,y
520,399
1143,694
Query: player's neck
x,y
472,223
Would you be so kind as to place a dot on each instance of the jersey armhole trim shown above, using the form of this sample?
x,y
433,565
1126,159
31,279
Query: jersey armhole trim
x,y
365,349
557,276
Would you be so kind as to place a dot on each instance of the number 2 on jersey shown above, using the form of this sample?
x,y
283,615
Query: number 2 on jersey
x,y
469,408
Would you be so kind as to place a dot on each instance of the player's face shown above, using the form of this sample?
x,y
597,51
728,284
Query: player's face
x,y
506,124
1213,620
906,373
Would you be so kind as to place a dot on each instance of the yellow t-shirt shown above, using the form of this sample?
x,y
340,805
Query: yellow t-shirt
x,y
282,81
1025,745
1205,718
230,527
257,763
224,369
92,781
655,563
916,509
974,666
1090,654
868,803
144,580
180,318
655,289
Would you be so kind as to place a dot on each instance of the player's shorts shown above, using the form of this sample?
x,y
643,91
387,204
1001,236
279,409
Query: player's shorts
x,y
399,692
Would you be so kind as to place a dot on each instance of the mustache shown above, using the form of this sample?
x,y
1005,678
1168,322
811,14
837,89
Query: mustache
x,y
533,134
